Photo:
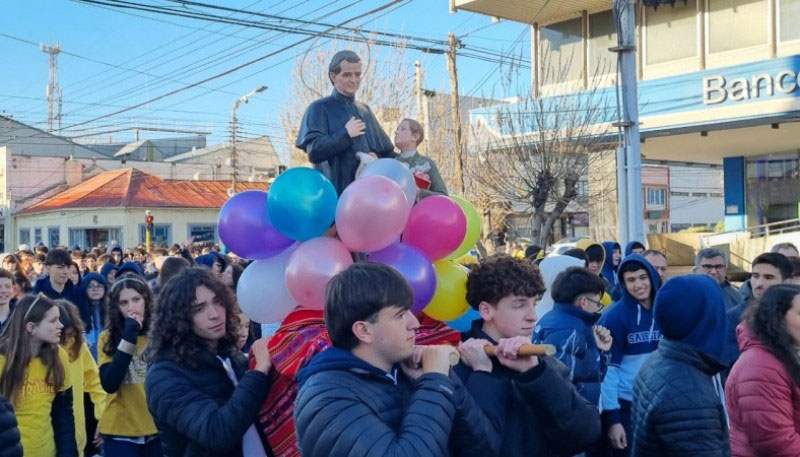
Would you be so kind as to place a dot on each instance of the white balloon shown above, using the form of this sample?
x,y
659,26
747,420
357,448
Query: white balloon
x,y
262,291
398,172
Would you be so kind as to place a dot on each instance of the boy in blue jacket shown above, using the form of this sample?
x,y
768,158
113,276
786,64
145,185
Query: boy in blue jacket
x,y
635,336
571,327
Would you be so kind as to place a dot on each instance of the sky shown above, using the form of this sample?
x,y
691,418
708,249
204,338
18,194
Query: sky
x,y
114,59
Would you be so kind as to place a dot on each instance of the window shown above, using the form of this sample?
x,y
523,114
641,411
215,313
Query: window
x,y
671,32
162,233
77,237
562,49
37,235
789,18
736,24
699,194
716,194
679,194
53,236
602,35
25,236
203,232
656,198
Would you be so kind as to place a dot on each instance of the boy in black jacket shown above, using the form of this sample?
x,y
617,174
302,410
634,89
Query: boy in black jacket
x,y
543,413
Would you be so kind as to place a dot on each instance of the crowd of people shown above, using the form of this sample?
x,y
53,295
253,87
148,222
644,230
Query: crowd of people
x,y
135,353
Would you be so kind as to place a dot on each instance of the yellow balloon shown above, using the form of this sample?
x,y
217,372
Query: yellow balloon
x,y
473,228
449,302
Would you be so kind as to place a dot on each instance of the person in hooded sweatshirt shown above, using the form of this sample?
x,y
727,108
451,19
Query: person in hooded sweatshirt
x,y
550,268
610,265
542,413
89,300
374,393
635,336
56,284
596,254
634,247
109,272
571,327
678,404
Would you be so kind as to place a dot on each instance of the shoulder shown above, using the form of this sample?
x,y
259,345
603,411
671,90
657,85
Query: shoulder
x,y
101,340
63,356
758,364
321,103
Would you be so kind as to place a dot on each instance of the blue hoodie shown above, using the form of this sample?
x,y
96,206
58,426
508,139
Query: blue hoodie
x,y
205,260
44,286
107,269
93,316
569,329
631,246
609,271
635,335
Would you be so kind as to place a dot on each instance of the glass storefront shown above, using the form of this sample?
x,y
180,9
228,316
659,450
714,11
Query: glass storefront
x,y
773,188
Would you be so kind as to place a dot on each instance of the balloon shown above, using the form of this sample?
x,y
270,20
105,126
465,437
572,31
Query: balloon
x,y
450,300
262,291
464,323
302,203
397,172
371,214
310,268
473,227
436,226
414,266
245,228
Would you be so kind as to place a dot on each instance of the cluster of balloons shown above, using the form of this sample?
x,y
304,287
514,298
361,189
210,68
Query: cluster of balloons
x,y
301,235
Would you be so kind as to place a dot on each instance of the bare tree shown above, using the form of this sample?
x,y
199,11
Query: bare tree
x,y
535,155
387,86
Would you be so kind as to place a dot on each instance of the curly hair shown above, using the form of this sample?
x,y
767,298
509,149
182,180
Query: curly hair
x,y
115,321
500,276
767,320
172,337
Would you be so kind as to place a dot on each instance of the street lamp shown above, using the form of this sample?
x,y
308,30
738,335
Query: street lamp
x,y
239,101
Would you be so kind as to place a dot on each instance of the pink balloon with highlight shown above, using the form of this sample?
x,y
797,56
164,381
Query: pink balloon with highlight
x,y
436,226
312,266
371,214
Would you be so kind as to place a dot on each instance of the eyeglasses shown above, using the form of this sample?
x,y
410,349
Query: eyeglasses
x,y
708,267
95,287
596,302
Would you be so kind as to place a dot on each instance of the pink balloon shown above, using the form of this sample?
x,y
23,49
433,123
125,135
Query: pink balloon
x,y
310,268
436,226
371,214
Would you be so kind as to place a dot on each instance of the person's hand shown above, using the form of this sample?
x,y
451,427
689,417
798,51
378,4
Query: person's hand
x,y
617,436
137,316
473,354
602,337
98,440
412,366
355,127
261,355
506,354
436,359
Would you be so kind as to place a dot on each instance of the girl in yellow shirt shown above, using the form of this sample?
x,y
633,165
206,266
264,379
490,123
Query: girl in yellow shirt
x,y
83,370
126,426
35,378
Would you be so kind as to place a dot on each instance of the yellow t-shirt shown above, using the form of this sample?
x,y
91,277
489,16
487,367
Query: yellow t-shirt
x,y
126,412
34,404
85,378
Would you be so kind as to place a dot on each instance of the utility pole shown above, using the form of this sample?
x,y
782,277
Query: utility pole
x,y
631,211
239,101
418,91
53,90
458,165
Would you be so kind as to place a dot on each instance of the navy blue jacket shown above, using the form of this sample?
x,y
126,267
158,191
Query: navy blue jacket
x,y
569,329
544,414
347,407
677,404
10,445
631,246
107,269
199,412
43,285
733,318
90,312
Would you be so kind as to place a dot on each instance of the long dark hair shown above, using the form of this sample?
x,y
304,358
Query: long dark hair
x,y
172,337
115,321
767,320
15,345
70,318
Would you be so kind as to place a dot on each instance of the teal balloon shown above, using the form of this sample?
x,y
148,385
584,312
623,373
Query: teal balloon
x,y
302,203
464,323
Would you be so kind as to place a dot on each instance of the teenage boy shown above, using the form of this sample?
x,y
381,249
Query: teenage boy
x,y
6,285
374,392
769,269
542,412
571,327
56,284
635,336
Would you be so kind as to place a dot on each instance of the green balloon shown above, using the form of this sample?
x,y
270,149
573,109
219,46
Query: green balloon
x,y
473,228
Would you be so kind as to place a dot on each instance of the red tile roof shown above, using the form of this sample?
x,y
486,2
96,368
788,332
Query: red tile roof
x,y
132,188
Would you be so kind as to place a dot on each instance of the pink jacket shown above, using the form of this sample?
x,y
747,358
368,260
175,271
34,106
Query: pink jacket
x,y
763,403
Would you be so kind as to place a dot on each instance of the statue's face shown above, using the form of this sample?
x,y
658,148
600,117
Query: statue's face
x,y
348,80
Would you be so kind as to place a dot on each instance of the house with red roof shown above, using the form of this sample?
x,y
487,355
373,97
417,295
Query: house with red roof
x,y
111,207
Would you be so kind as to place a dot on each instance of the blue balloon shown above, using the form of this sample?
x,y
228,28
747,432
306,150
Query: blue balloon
x,y
463,323
302,203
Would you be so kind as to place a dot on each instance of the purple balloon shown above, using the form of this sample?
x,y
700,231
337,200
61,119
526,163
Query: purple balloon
x,y
245,228
415,267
